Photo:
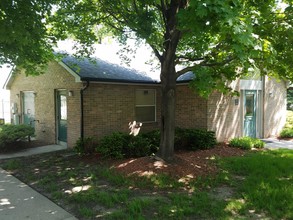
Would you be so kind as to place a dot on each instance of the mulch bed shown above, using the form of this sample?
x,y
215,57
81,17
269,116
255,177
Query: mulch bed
x,y
185,164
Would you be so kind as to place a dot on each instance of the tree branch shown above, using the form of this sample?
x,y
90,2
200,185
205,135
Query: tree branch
x,y
228,60
185,70
157,53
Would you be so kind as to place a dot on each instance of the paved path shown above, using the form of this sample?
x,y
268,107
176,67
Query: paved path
x,y
272,143
33,151
20,202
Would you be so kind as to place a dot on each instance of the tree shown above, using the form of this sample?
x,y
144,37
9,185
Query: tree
x,y
217,40
24,39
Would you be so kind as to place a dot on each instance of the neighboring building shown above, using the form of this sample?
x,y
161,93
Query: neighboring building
x,y
75,98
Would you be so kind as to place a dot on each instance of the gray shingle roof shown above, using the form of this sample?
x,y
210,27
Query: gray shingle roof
x,y
99,70
103,71
186,77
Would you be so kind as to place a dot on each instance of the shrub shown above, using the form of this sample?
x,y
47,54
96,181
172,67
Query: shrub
x,y
153,138
85,146
112,145
286,133
10,134
194,139
246,143
122,145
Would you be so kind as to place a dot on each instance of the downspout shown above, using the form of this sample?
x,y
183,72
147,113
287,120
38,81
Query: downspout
x,y
263,105
81,110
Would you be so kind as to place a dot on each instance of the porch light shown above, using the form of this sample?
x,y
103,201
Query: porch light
x,y
70,93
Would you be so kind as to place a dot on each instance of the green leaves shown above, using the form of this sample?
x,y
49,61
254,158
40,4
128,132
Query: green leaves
x,y
24,40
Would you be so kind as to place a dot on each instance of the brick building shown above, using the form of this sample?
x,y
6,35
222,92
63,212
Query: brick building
x,y
75,98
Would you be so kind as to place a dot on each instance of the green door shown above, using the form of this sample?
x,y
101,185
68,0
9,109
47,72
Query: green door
x,y
250,113
28,108
62,116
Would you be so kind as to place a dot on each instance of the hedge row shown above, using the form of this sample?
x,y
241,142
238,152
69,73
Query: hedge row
x,y
122,145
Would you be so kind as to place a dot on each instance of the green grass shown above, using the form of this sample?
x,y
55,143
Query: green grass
x,y
266,182
13,164
260,183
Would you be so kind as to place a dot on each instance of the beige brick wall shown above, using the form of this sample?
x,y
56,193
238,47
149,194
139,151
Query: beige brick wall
x,y
224,116
226,119
191,109
45,86
274,107
110,107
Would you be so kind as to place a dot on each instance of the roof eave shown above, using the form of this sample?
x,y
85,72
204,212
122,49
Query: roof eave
x,y
9,80
74,74
91,79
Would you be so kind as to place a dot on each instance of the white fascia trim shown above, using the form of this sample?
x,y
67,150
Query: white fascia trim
x,y
76,76
9,80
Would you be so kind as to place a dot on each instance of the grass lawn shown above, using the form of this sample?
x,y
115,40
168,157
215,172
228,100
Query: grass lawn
x,y
255,186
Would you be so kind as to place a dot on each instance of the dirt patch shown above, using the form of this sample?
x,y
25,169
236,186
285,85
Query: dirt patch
x,y
185,164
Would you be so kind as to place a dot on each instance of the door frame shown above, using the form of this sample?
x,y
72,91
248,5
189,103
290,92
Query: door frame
x,y
258,111
57,106
22,106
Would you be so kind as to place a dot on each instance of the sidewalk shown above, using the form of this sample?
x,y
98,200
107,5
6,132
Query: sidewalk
x,y
19,201
33,151
273,143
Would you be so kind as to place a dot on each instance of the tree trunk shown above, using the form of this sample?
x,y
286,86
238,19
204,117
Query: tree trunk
x,y
168,78
168,103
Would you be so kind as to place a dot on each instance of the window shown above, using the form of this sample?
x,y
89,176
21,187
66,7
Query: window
x,y
145,109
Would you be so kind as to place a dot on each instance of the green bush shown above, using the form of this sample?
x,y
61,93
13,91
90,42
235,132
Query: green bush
x,y
246,143
10,134
112,145
153,138
85,146
122,145
194,139
286,133
289,119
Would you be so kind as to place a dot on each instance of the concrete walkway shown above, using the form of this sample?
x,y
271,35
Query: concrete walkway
x,y
19,201
273,143
33,151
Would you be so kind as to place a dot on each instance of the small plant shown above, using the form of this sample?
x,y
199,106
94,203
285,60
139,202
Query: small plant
x,y
85,146
246,143
12,165
287,133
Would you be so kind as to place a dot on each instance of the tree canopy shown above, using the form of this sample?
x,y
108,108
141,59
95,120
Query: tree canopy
x,y
217,40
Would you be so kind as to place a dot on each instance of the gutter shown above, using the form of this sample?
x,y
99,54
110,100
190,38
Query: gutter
x,y
81,110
